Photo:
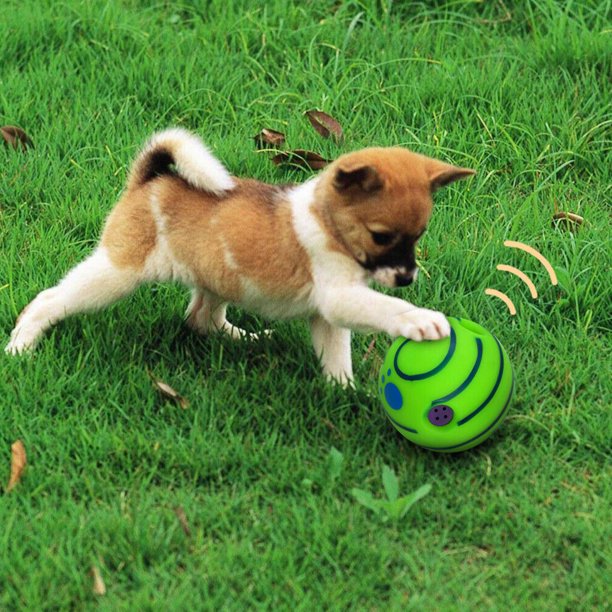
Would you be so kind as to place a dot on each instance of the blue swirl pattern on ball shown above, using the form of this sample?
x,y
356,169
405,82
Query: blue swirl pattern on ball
x,y
451,349
500,373
468,380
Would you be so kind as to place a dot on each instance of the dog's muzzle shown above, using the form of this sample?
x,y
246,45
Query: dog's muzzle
x,y
395,277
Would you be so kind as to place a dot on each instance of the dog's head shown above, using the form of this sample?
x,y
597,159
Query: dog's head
x,y
379,202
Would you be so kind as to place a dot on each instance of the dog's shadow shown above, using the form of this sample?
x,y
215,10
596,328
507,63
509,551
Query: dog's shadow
x,y
105,341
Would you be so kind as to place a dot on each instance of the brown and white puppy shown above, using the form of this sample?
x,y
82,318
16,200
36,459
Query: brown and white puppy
x,y
281,251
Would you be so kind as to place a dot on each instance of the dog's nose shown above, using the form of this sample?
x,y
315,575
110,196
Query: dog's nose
x,y
403,280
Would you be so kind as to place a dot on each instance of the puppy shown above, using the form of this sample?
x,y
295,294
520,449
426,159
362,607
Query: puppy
x,y
282,251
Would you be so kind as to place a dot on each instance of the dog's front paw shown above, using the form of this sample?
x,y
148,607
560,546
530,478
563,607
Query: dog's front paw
x,y
24,337
20,344
423,324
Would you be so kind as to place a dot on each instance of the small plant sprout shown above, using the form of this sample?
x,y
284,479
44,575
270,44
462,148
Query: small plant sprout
x,y
394,507
329,471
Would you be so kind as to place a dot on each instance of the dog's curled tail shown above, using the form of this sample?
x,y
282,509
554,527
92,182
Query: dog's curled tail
x,y
192,161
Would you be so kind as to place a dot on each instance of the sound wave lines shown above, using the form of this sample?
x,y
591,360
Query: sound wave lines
x,y
504,297
537,255
522,276
532,288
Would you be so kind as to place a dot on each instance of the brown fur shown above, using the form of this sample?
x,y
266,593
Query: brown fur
x,y
130,233
397,197
252,221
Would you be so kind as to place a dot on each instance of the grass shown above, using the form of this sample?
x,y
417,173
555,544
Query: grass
x,y
521,522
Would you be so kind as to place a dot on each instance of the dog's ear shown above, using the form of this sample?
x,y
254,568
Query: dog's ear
x,y
441,174
363,178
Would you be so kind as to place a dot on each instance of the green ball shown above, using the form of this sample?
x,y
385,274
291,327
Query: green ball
x,y
447,395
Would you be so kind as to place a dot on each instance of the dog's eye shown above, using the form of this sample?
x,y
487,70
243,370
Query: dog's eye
x,y
382,238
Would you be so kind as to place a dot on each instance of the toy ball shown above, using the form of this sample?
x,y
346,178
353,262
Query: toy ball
x,y
447,395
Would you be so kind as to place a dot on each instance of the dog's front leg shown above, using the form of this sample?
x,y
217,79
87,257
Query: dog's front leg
x,y
333,347
362,309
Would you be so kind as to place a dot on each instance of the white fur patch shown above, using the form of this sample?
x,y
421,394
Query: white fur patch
x,y
309,231
193,160
228,256
255,299
328,267
385,276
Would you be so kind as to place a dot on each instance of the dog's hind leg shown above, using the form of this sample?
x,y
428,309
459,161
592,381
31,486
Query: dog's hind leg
x,y
91,285
206,314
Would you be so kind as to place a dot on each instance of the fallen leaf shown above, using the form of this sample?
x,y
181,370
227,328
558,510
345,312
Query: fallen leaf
x,y
18,463
182,518
568,220
269,138
324,124
301,159
169,393
99,588
15,137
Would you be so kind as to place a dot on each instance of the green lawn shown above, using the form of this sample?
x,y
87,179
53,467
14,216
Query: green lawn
x,y
521,522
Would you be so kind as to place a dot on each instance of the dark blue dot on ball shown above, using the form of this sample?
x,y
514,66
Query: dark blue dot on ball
x,y
383,378
393,396
389,372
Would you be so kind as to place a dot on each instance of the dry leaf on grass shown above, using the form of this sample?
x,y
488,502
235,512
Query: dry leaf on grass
x,y
568,220
182,518
99,588
301,159
15,137
168,392
325,124
18,463
269,138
